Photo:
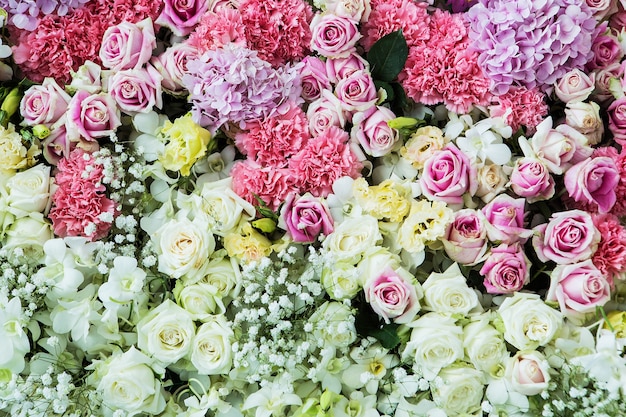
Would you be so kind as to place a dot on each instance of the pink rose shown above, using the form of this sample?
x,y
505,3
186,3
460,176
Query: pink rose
x,y
127,45
505,217
325,112
357,10
447,175
172,65
506,269
333,36
606,50
392,296
593,181
602,92
617,120
528,372
44,104
339,68
136,90
558,148
371,131
531,179
618,20
56,145
579,288
305,217
602,8
575,86
357,92
314,79
567,238
181,16
91,116
585,118
465,240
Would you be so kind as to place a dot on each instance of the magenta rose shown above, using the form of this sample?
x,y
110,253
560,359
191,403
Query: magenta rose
x,y
531,179
506,269
465,240
127,45
617,120
567,238
172,65
91,116
593,181
575,86
325,112
339,68
333,36
305,217
181,16
313,77
579,288
392,296
44,104
136,90
357,92
505,219
447,175
371,131
606,50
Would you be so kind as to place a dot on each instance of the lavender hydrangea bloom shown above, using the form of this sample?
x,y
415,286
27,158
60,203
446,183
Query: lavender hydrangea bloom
x,y
25,13
530,43
232,84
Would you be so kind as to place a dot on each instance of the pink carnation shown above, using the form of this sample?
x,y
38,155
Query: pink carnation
x,y
521,107
112,12
218,28
391,15
272,185
326,158
610,257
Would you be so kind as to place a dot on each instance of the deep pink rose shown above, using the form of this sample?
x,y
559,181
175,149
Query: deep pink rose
x,y
392,296
618,20
333,36
181,16
531,179
617,120
606,50
575,86
91,116
127,45
569,237
357,92
447,175
506,269
136,90
44,104
593,181
579,288
172,65
325,112
465,240
505,217
314,78
602,93
371,131
339,68
305,217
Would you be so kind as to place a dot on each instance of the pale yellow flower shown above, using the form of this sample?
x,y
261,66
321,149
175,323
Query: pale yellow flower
x,y
247,244
427,222
389,200
187,143
422,144
13,154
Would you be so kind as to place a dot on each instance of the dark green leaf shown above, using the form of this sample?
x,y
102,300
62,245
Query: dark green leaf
x,y
387,56
387,87
387,335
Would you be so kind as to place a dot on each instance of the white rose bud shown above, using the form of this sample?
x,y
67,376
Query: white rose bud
x,y
211,352
448,292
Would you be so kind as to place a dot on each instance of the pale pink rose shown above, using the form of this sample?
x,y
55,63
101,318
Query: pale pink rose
x,y
602,92
44,104
305,217
528,372
136,90
531,179
559,148
357,10
575,86
593,181
448,175
56,145
505,219
567,238
325,112
172,65
127,45
585,118
617,120
357,92
506,269
181,16
465,240
339,68
88,77
602,8
392,296
579,288
313,77
333,36
371,131
606,50
91,116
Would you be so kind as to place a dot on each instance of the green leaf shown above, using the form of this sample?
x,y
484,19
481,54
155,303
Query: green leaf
x,y
387,56
387,335
387,87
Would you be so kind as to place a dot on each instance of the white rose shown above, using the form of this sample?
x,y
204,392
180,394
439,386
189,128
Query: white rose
x,y
333,325
29,191
211,352
358,10
352,237
585,118
341,281
484,346
200,300
376,260
528,372
128,384
436,342
460,392
448,292
29,234
492,180
166,332
224,275
528,321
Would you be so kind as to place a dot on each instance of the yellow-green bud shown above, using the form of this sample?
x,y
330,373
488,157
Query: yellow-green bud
x,y
5,375
11,102
265,225
328,400
41,131
402,122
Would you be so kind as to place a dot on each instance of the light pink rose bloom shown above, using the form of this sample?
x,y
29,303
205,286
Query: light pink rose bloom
x,y
579,288
314,78
172,65
617,120
575,86
531,179
602,8
136,90
593,181
528,372
357,92
585,118
371,131
88,77
181,16
305,217
44,104
325,112
448,175
333,36
357,10
465,240
568,237
339,68
505,219
127,45
602,92
506,269
392,296
56,145
91,116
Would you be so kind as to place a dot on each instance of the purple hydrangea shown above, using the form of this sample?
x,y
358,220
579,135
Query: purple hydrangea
x,y
24,14
232,84
530,43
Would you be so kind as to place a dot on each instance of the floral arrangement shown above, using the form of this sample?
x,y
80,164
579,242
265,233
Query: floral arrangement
x,y
372,208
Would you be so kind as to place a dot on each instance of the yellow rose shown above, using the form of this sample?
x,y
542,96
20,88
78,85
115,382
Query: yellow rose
x,y
427,222
248,244
617,319
187,143
13,153
422,144
388,200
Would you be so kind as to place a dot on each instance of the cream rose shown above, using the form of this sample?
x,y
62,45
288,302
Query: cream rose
x,y
333,325
29,191
353,237
528,372
211,352
461,392
492,180
484,346
448,292
199,300
224,275
29,234
341,281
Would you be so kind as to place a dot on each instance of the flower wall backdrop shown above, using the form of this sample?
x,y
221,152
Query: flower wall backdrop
x,y
372,208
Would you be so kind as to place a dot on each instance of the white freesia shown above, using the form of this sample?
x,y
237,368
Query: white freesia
x,y
15,343
215,167
341,202
211,351
528,372
484,346
29,191
484,141
353,237
504,399
371,365
124,283
60,270
333,325
328,372
271,400
357,405
448,292
460,391
146,142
